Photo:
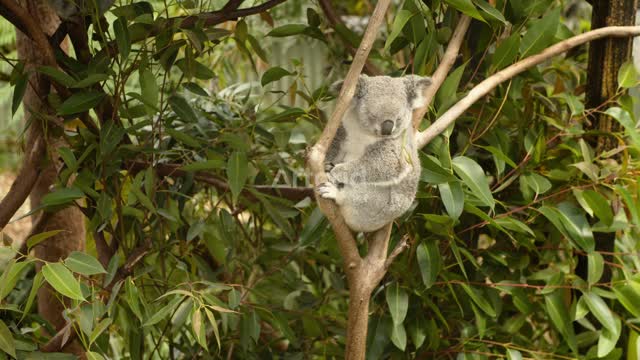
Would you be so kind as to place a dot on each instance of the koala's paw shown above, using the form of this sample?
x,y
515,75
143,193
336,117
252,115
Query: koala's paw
x,y
327,190
328,167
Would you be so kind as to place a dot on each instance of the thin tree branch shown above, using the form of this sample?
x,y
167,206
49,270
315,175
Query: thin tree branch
x,y
24,182
496,79
29,25
335,20
448,59
287,192
401,246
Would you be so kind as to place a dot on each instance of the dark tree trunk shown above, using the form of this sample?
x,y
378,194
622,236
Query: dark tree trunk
x,y
605,58
70,219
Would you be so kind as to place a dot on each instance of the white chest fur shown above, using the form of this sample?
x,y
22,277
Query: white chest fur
x,y
357,140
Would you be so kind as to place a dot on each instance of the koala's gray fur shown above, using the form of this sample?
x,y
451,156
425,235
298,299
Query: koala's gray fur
x,y
372,163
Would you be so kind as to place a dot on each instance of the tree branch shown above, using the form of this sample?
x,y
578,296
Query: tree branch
x,y
483,88
448,59
24,182
362,274
290,193
26,23
335,20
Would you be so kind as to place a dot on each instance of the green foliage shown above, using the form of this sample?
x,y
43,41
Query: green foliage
x,y
512,207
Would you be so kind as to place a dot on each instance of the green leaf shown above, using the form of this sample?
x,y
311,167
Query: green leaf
x,y
400,20
92,355
203,165
38,238
237,172
599,205
38,280
198,326
633,346
627,75
398,301
473,176
163,313
540,34
429,261
287,30
18,92
182,108
595,267
61,279
625,119
490,10
274,74
452,197
57,75
513,354
123,39
608,339
7,344
506,52
559,315
577,226
538,183
477,298
433,172
446,95
467,7
600,310
90,80
572,224
84,264
149,89
629,296
101,327
195,89
81,102
183,137
399,336
62,196
10,276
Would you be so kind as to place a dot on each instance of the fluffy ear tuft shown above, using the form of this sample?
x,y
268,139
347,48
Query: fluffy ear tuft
x,y
416,85
360,90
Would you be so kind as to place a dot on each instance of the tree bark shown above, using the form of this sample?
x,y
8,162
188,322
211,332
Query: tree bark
x,y
606,56
70,219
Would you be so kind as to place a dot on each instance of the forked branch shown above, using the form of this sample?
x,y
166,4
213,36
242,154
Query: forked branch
x,y
482,89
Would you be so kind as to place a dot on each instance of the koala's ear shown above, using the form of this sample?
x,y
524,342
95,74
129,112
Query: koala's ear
x,y
360,87
416,86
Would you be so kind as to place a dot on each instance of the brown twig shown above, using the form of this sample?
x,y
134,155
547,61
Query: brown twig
x,y
496,79
334,20
24,182
448,59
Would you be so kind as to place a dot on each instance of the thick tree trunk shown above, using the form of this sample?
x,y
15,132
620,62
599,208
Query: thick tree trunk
x,y
70,220
605,58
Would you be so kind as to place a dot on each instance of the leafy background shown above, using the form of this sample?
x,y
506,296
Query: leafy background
x,y
512,202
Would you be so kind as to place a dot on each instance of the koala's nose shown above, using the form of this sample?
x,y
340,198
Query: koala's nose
x,y
387,127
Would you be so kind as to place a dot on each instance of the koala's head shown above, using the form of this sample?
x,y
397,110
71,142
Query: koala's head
x,y
384,104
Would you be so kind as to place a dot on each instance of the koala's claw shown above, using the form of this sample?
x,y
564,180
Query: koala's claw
x,y
328,167
327,190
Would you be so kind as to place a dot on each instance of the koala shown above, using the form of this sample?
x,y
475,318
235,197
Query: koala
x,y
372,164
